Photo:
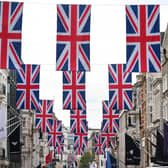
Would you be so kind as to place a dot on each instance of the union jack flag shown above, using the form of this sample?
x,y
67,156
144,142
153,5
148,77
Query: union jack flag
x,y
78,123
55,135
74,90
111,118
104,126
98,145
73,38
48,158
120,87
27,95
143,38
44,115
60,149
10,35
108,140
80,143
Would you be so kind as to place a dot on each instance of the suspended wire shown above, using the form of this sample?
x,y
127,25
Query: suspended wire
x,y
12,118
15,113
52,67
13,124
13,129
116,3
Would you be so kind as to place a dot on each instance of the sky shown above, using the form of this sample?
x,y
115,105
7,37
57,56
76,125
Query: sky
x,y
107,45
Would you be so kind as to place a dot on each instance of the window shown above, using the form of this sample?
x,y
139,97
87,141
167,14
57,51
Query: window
x,y
24,122
150,87
150,114
157,107
133,119
24,140
150,117
2,89
164,82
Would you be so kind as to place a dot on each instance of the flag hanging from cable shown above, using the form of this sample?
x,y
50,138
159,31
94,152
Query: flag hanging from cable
x,y
44,115
143,38
120,87
73,38
108,140
28,81
10,35
74,90
78,123
55,135
110,118
28,85
60,149
99,150
80,143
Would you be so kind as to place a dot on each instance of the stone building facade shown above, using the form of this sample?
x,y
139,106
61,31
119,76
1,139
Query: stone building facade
x,y
164,54
4,163
27,138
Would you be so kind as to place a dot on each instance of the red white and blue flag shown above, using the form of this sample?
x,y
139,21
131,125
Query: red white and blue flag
x,y
98,145
60,149
78,123
120,87
48,158
10,35
74,90
143,38
44,115
80,143
108,140
28,79
54,136
73,38
104,126
111,118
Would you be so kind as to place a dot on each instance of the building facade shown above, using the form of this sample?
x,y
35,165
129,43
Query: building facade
x,y
27,138
14,122
4,163
164,54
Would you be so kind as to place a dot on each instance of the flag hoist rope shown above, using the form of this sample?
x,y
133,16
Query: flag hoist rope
x,y
98,2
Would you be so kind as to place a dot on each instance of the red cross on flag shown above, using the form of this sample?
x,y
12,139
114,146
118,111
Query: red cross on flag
x,y
10,35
